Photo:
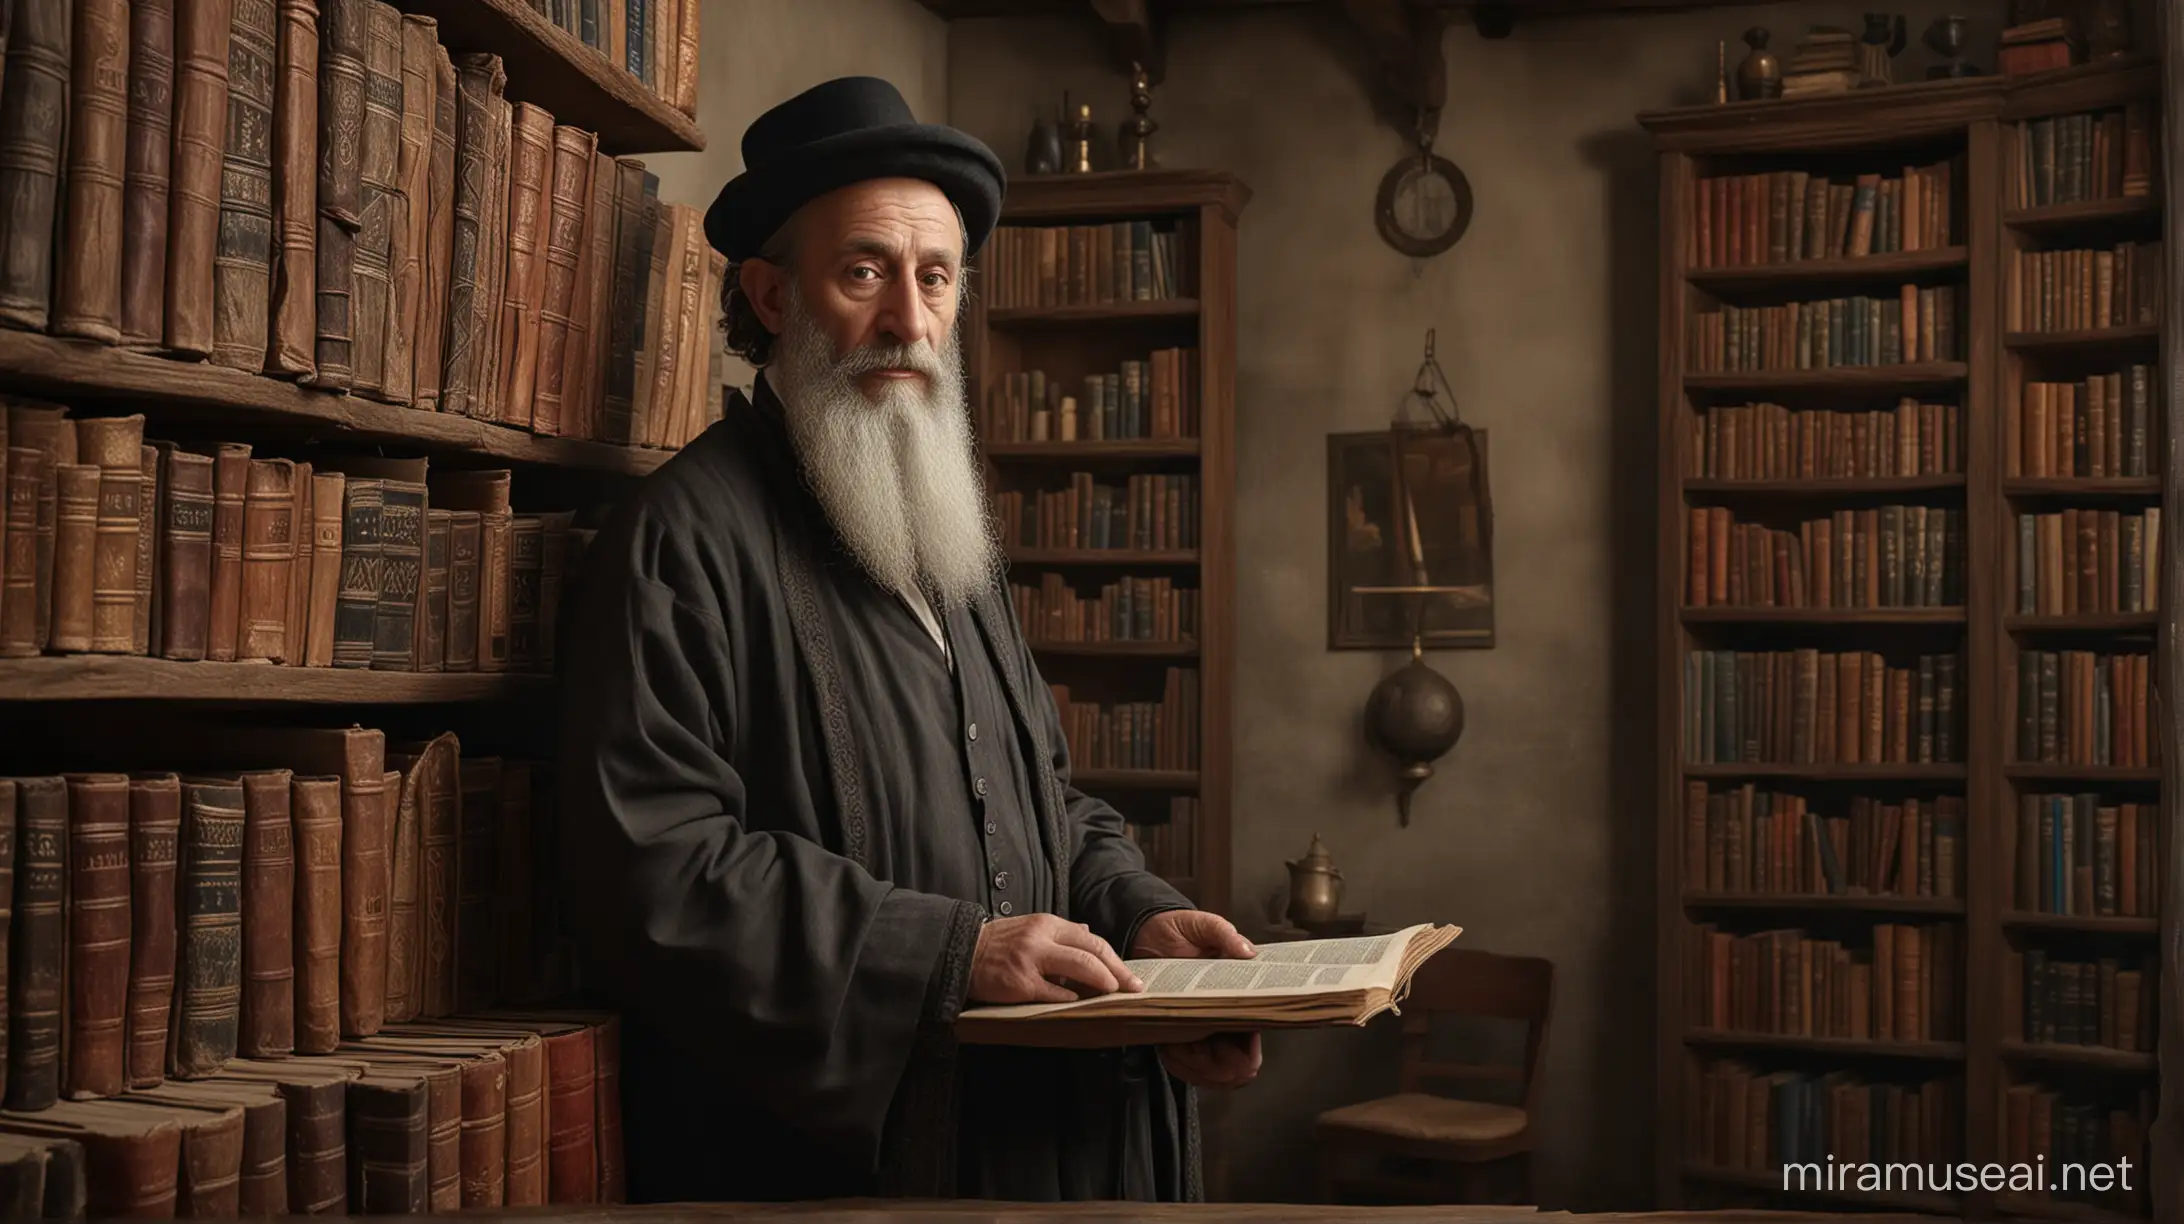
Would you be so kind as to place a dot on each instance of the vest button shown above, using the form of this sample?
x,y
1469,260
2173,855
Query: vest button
x,y
1005,909
979,786
1000,879
972,732
992,828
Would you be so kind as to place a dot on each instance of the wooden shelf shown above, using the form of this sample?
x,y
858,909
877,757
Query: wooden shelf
x,y
2098,1057
1830,773
1825,488
1101,556
2100,621
1930,1051
1117,650
549,67
1853,903
1075,452
1155,310
1823,616
1871,380
2092,340
76,370
2025,920
1094,780
2082,486
125,677
2083,773
1770,1182
1891,267
2064,1209
2049,218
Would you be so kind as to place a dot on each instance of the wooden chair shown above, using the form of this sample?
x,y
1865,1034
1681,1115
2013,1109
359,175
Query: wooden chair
x,y
1459,1139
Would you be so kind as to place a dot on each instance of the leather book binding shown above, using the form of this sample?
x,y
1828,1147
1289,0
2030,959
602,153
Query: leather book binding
x,y
210,1184
315,811
380,201
357,606
116,445
292,316
358,757
553,559
563,224
155,830
607,1088
688,26
463,530
529,205
487,397
38,944
230,493
46,431
343,36
632,261
208,959
580,383
132,1158
438,233
435,767
526,544
201,30
186,511
315,1094
389,1136
242,266
406,249
485,492
33,103
672,383
269,884
405,931
269,556
75,545
296,620
484,1149
512,879
145,173
572,1155
261,1187
147,549
20,605
98,935
87,297
477,865
654,318
432,612
329,505
526,1057
479,80
9,837
442,1076
44,1178
401,536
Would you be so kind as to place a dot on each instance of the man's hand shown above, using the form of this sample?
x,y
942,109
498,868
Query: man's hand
x,y
1226,1060
1023,960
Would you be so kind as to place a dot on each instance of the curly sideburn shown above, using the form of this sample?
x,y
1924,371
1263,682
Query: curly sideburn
x,y
747,334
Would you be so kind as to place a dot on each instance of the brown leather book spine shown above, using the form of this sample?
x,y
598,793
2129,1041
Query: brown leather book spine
x,y
98,934
155,830
626,311
432,613
495,553
185,554
242,266
463,544
33,104
318,1150
144,185
116,445
526,553
562,219
489,398
444,1138
264,1182
367,814
526,1123
485,1132
686,58
439,816
269,554
20,606
479,80
406,251
296,620
269,889
38,944
607,1090
147,550
405,955
572,1157
656,323
315,811
201,29
208,960
389,1133
230,491
87,299
8,841
529,211
127,1172
212,1167
48,431
438,234
681,355
401,574
342,76
380,198
477,859
327,508
291,345
356,608
75,544
587,311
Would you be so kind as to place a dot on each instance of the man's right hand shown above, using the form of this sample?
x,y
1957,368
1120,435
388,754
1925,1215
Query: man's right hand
x,y
1020,960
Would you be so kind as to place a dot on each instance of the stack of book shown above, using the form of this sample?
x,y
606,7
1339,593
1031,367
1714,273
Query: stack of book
x,y
2072,159
2083,707
2076,290
1167,844
1806,707
2105,426
1126,610
1826,61
2087,854
1751,841
1917,324
1152,512
1901,983
1782,216
1771,442
1086,265
2074,1130
1153,398
1759,1121
2038,46
655,41
1879,557
2085,561
1160,735
2072,1002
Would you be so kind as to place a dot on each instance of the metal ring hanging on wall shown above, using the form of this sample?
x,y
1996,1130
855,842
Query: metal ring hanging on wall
x,y
1413,235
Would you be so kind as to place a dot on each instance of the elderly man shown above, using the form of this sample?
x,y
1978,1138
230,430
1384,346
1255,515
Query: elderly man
x,y
817,795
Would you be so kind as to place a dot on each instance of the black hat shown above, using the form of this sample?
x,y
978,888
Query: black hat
x,y
847,131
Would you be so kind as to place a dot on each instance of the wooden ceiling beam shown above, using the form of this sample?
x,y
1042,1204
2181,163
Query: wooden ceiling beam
x,y
1136,36
1405,39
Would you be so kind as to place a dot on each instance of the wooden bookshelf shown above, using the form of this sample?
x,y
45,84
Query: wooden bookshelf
x,y
124,677
1068,336
1976,126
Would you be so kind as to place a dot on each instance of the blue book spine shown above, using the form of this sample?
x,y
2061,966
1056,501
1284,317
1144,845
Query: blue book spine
x,y
587,23
636,39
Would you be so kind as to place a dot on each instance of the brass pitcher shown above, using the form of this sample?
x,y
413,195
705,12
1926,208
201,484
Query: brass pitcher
x,y
1315,887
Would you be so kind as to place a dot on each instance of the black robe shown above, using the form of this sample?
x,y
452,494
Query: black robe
x,y
786,816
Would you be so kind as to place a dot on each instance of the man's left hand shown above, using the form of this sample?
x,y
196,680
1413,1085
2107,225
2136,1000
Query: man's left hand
x,y
1225,1060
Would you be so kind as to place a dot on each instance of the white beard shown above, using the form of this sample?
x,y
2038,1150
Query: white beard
x,y
896,472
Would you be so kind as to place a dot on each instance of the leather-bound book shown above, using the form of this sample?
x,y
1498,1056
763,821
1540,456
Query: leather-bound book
x,y
48,432
230,494
315,812
477,859
526,548
479,80
33,104
658,241
262,1183
116,445
432,611
75,545
464,530
269,888
562,220
155,831
485,1062
438,233
553,554
147,550
132,1158
210,1183
9,836
292,316
98,935
529,214
443,1121
686,57
572,1154
492,393
526,1114
296,619
20,606
632,262
607,1089
186,513
401,543
343,38
144,185
357,606
431,770
672,383
242,266
405,934
315,1091
588,304
487,493
382,206
208,958
201,30
38,943
87,292
329,506
406,250
603,1031
44,1178
269,556
389,1143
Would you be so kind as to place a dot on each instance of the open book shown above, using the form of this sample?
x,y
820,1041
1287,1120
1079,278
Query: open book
x,y
1287,985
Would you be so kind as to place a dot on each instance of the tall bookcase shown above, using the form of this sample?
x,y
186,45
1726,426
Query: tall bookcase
x,y
1786,808
1129,274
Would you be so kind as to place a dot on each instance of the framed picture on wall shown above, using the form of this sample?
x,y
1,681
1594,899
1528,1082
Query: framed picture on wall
x,y
1409,539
